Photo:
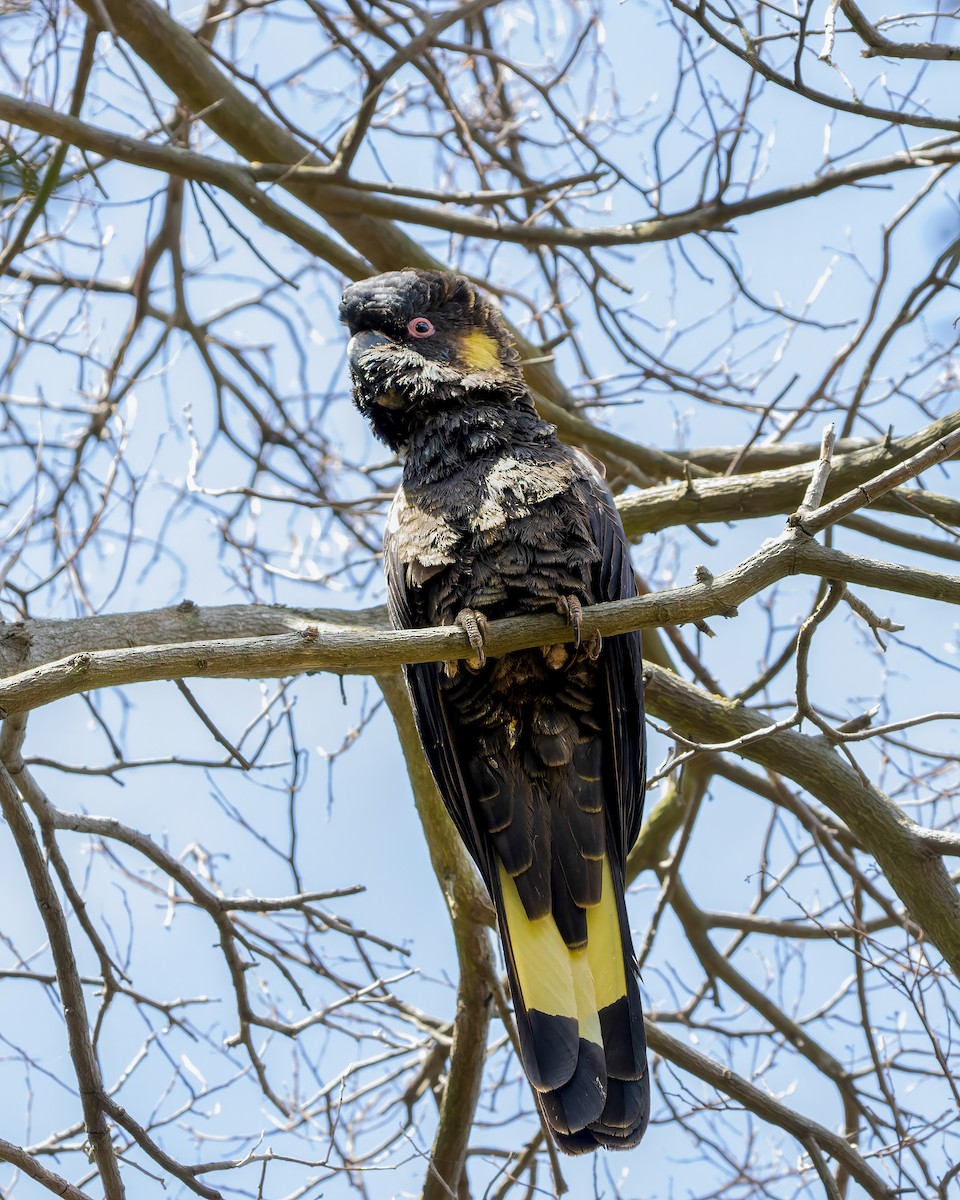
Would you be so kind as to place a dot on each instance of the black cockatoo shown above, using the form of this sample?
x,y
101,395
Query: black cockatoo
x,y
538,755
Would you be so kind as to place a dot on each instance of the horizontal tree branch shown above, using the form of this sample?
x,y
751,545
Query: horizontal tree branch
x,y
180,163
25,644
877,44
766,456
769,493
285,644
335,194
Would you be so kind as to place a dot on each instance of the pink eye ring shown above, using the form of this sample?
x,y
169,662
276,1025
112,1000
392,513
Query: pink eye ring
x,y
420,327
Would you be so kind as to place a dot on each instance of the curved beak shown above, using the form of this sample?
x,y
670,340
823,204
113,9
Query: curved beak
x,y
362,343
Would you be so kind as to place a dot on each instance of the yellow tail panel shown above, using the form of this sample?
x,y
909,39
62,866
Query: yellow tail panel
x,y
541,957
560,981
605,944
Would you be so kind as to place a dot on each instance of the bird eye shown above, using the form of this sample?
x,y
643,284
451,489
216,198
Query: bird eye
x,y
420,327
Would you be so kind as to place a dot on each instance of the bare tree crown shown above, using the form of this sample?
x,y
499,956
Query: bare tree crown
x,y
726,241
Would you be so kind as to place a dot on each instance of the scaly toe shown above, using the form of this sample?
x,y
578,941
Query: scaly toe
x,y
571,608
594,646
474,625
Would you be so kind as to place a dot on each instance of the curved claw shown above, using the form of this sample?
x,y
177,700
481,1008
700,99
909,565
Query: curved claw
x,y
474,625
571,608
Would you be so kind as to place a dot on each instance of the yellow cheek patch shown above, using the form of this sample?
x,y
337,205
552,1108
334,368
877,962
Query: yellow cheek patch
x,y
480,352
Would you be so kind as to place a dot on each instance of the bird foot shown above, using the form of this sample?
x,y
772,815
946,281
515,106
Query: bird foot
x,y
572,608
474,625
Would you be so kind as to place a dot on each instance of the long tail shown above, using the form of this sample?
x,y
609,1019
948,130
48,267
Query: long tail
x,y
579,1019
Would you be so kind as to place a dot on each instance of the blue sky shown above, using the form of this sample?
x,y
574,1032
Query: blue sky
x,y
355,822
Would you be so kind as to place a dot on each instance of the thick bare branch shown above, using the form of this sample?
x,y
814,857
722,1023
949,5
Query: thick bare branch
x,y
351,650
767,493
471,915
